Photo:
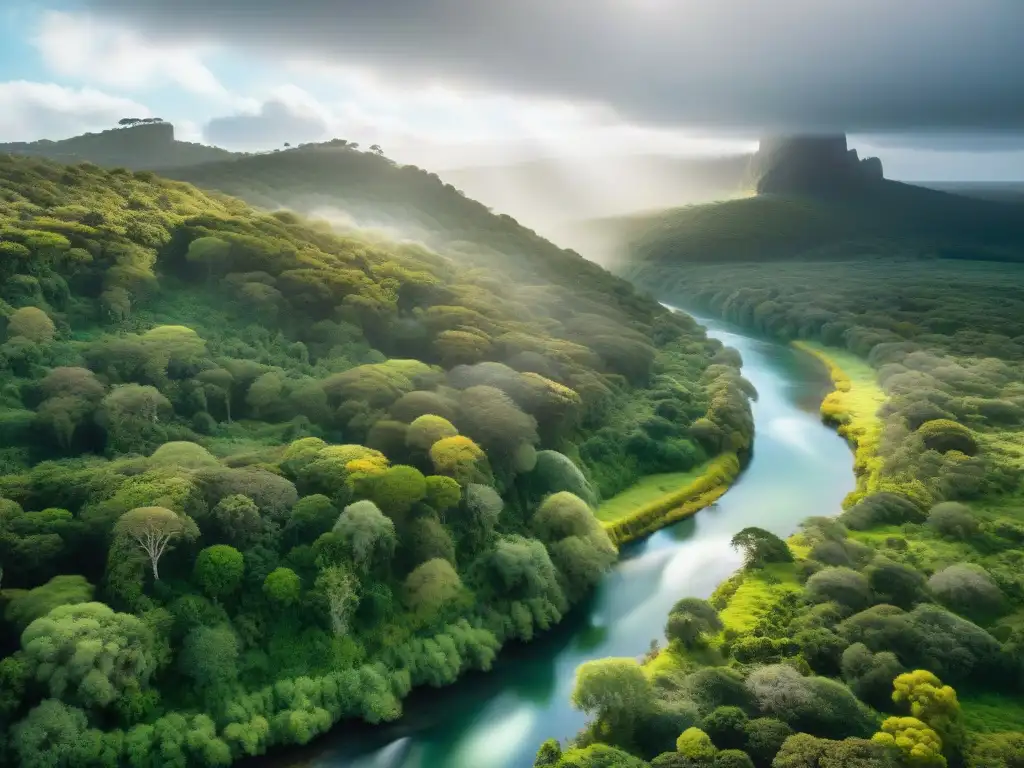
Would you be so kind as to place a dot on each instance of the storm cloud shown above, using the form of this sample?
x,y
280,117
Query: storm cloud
x,y
864,65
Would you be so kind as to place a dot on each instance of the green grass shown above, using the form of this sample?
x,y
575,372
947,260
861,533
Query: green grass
x,y
853,408
645,491
992,712
759,589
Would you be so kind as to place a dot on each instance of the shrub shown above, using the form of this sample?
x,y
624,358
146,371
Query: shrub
x,y
967,589
881,509
944,435
953,520
839,585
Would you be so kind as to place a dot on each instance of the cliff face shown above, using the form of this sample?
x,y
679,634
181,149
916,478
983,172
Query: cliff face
x,y
811,165
140,147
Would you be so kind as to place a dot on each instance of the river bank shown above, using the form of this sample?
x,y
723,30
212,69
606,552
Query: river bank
x,y
798,467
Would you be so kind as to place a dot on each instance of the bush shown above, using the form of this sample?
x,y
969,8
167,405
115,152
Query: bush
x,y
944,435
727,727
894,582
953,520
967,589
881,509
764,737
843,586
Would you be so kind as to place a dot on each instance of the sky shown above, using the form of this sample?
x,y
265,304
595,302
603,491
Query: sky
x,y
934,87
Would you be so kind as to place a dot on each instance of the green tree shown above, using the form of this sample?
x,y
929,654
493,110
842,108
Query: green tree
x,y
28,606
443,493
132,414
691,620
426,430
398,488
726,726
52,735
154,530
760,547
458,457
696,746
615,691
88,654
844,586
341,590
30,323
367,534
431,585
283,587
209,655
219,570
211,253
764,737
238,519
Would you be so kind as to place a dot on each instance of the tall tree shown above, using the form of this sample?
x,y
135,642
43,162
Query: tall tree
x,y
154,530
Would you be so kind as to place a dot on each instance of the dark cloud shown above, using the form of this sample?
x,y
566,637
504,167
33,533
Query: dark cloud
x,y
868,65
274,124
984,142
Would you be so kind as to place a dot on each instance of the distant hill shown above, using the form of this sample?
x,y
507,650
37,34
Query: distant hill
x,y
1004,191
140,147
858,214
552,194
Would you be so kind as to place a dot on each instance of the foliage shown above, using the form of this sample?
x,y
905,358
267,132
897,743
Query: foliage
x,y
220,395
219,570
760,547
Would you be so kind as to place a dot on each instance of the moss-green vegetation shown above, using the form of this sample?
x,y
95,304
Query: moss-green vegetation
x,y
257,476
647,490
709,485
847,645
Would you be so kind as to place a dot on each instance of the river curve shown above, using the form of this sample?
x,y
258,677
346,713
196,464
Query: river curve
x,y
798,468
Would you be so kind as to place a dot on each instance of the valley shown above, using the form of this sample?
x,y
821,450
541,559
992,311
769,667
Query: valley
x,y
309,456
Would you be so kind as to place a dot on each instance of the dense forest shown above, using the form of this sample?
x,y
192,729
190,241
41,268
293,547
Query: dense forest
x,y
257,475
893,635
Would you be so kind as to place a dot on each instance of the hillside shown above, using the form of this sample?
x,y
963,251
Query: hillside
x,y
350,188
257,476
138,147
895,218
556,196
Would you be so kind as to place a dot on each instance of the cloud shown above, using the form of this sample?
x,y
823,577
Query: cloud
x,y
986,142
281,119
106,53
869,65
29,111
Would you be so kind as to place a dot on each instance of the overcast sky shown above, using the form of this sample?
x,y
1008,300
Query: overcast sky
x,y
935,87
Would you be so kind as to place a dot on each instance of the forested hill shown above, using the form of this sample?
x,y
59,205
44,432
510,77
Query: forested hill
x,y
891,219
354,188
139,147
257,476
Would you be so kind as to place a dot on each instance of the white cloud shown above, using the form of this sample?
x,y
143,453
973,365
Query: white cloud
x,y
30,111
84,48
441,127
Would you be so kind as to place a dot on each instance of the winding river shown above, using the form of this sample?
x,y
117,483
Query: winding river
x,y
498,719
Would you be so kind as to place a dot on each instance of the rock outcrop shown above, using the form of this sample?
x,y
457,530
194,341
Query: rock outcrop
x,y
812,165
139,147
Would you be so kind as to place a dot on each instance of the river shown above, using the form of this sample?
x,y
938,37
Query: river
x,y
497,719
